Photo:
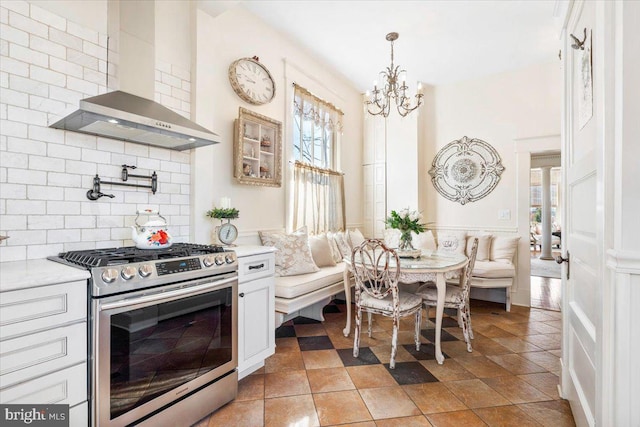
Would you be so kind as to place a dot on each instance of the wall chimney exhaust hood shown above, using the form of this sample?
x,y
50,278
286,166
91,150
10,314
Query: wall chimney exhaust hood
x,y
121,115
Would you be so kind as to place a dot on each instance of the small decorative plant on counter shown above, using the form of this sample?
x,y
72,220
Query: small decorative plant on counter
x,y
223,213
406,221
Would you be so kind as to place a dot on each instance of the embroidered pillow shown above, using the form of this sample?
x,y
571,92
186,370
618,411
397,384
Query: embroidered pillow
x,y
293,255
452,241
343,243
321,251
337,255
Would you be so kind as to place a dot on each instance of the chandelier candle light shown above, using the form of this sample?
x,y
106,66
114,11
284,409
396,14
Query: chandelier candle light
x,y
394,86
406,221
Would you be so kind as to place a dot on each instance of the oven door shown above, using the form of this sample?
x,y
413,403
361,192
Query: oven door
x,y
151,348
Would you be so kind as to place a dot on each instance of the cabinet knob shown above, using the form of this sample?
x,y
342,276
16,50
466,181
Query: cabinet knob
x,y
241,294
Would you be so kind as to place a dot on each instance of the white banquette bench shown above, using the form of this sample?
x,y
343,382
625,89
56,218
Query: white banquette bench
x,y
309,270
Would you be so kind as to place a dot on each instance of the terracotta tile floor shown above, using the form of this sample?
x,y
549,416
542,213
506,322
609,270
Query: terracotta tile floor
x,y
510,379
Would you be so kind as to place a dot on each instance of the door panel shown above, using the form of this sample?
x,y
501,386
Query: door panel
x,y
582,296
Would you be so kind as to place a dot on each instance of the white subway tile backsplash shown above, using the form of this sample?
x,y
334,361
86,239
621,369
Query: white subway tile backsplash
x,y
84,33
25,54
13,222
13,191
47,76
83,86
48,18
18,6
14,160
62,236
12,253
49,48
27,146
42,251
14,66
45,222
23,84
63,179
65,39
73,166
80,58
13,97
48,65
62,208
24,115
43,192
46,134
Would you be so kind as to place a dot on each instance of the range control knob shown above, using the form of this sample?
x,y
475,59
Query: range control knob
x,y
229,258
109,275
145,270
208,261
128,272
219,260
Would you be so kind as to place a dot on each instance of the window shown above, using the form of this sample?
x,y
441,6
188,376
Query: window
x,y
318,188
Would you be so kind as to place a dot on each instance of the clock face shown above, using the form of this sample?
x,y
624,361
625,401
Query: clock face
x,y
227,233
252,81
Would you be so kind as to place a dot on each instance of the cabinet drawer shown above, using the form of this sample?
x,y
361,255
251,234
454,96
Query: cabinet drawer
x,y
27,310
68,386
255,266
41,353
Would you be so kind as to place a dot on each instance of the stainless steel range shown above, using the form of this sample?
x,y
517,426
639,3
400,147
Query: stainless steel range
x,y
163,332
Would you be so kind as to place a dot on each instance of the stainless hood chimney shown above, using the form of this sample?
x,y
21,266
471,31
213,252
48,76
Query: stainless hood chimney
x,y
121,114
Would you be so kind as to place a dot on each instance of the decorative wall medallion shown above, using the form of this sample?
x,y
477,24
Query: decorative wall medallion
x,y
466,170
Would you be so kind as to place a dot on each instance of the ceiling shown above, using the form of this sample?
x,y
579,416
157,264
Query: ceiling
x,y
440,42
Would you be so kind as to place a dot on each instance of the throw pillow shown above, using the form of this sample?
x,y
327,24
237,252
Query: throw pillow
x,y
293,255
337,256
321,251
424,241
504,248
355,238
484,246
391,237
343,243
452,241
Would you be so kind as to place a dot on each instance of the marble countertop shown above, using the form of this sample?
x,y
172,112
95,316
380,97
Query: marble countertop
x,y
37,272
248,250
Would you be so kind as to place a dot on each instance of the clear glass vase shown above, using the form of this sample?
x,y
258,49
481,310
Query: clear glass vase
x,y
405,241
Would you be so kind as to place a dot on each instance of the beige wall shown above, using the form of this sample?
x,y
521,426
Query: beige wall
x,y
234,34
498,109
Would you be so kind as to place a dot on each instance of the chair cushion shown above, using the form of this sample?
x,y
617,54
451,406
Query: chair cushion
x,y
407,301
429,293
493,270
294,286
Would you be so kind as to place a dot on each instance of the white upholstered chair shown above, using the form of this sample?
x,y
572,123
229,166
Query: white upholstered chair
x,y
376,271
457,296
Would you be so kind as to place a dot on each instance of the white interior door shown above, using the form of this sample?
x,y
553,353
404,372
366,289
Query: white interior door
x,y
582,291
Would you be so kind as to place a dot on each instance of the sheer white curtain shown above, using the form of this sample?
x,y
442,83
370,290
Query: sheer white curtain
x,y
318,200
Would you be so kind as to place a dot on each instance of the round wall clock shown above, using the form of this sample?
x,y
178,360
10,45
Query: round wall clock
x,y
227,233
252,81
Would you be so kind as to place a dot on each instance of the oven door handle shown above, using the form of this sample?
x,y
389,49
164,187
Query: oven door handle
x,y
168,295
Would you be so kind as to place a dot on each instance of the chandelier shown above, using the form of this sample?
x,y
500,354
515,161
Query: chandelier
x,y
394,89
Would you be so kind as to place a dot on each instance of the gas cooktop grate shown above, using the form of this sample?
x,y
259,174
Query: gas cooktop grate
x,y
125,255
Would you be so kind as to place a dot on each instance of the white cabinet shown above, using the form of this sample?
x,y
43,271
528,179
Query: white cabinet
x,y
43,347
256,310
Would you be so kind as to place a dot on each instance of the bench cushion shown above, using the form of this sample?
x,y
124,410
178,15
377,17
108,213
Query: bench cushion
x,y
294,286
493,270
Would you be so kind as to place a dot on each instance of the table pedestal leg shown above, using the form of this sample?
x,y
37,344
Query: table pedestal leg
x,y
347,296
442,288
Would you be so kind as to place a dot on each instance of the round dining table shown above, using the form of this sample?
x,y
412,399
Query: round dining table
x,y
433,266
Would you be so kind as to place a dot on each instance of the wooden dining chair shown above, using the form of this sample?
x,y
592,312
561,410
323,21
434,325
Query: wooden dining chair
x,y
456,296
376,270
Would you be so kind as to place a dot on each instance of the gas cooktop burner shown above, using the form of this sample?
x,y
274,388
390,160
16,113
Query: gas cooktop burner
x,y
130,254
